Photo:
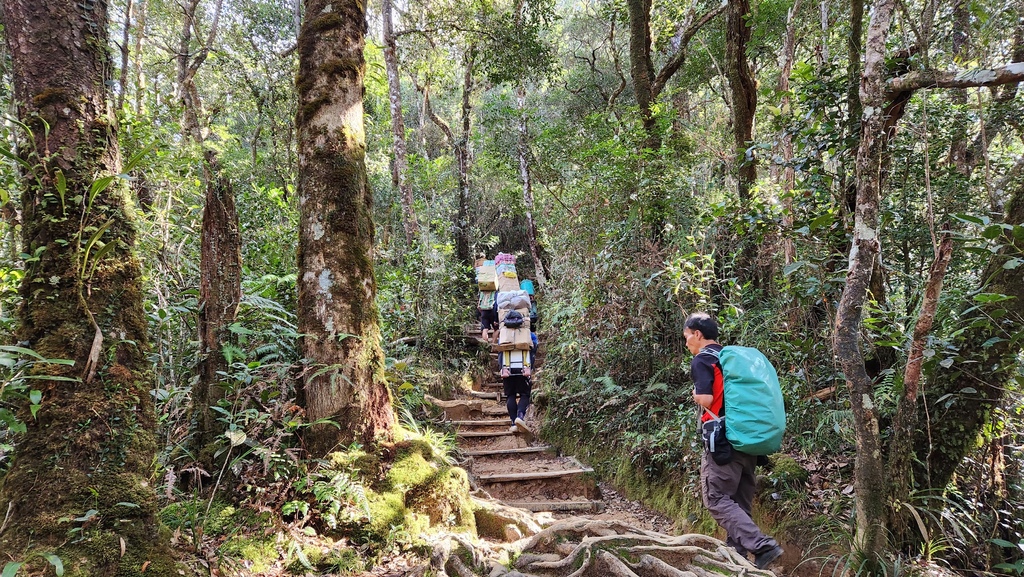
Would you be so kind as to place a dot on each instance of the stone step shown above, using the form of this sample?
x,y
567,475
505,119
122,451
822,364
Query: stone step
x,y
485,395
585,506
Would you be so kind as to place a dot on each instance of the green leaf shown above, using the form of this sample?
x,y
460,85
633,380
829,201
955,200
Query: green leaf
x,y
792,267
5,197
98,186
1003,543
35,396
991,342
11,569
6,153
61,184
133,161
970,218
58,565
88,516
128,504
21,350
992,231
1012,263
991,298
236,437
99,255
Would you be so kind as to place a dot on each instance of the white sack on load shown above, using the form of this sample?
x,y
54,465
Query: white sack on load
x,y
507,299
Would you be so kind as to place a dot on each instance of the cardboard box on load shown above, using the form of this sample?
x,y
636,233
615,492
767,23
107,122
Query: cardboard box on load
x,y
486,278
506,340
505,283
521,339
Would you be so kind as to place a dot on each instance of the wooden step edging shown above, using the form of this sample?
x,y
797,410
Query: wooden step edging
x,y
483,434
538,506
511,477
518,451
483,423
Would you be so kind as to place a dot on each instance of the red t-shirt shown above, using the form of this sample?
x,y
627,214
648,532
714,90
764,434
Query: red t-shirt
x,y
707,379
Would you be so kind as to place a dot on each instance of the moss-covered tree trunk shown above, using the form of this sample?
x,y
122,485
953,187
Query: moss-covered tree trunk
x,y
80,482
338,317
961,398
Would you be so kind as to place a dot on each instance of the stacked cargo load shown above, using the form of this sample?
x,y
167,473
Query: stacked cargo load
x,y
486,275
514,334
506,277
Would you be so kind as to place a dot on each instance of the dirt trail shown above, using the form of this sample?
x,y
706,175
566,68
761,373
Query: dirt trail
x,y
541,514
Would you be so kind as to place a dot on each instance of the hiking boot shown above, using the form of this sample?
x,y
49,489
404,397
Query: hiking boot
x,y
514,429
766,557
521,424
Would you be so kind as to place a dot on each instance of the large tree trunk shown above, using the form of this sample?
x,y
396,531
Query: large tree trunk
x,y
337,287
523,150
91,445
641,68
399,178
744,94
869,473
961,398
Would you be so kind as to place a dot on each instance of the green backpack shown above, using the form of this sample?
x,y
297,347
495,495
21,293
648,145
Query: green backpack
x,y
753,401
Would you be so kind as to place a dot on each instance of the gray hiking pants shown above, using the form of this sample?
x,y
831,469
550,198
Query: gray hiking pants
x,y
728,492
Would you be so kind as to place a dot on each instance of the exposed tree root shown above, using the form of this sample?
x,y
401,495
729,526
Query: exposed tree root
x,y
580,547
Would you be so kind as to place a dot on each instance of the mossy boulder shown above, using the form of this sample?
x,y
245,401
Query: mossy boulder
x,y
786,471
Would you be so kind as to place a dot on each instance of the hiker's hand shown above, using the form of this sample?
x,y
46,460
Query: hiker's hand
x,y
526,371
505,372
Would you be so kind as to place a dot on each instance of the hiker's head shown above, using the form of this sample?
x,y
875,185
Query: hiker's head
x,y
699,330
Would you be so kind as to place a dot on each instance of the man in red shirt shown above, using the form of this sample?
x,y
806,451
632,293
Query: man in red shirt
x,y
728,490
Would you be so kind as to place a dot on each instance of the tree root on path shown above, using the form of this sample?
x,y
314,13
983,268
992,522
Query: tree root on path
x,y
580,547
591,548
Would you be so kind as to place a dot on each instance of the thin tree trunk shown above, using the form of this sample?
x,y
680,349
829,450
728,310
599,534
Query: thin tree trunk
x,y
787,178
125,37
399,169
523,149
869,473
744,94
905,421
220,260
463,153
91,445
140,34
337,288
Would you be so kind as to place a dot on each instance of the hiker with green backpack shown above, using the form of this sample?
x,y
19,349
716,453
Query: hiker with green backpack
x,y
738,385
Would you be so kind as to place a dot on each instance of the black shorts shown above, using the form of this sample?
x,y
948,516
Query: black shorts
x,y
488,319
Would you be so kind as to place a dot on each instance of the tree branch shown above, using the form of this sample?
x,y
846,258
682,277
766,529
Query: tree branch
x,y
919,79
679,58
